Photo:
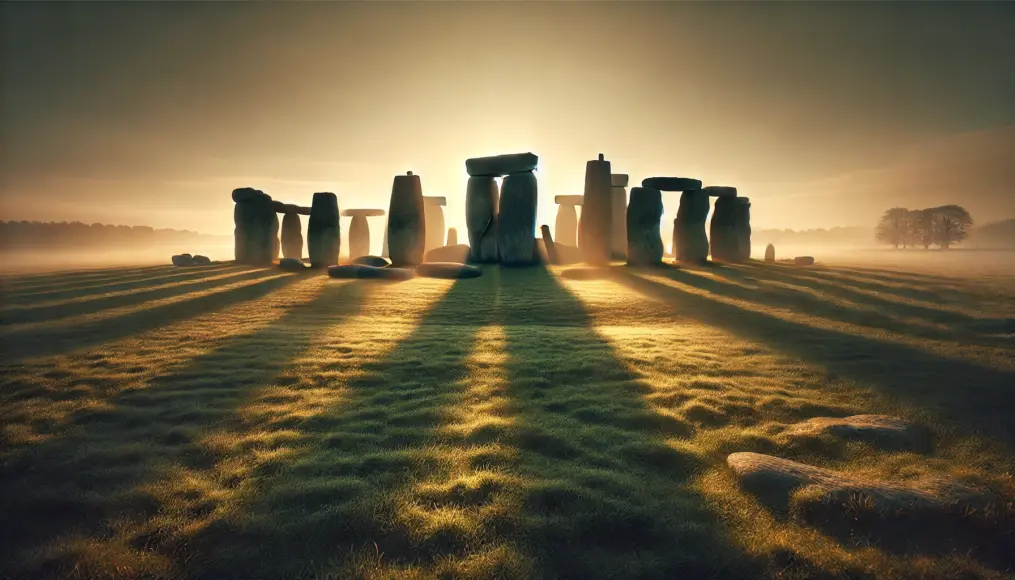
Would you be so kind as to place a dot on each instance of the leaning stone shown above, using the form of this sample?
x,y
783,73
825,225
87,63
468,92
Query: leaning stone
x,y
481,207
375,261
618,180
779,481
720,191
596,225
183,260
671,183
618,224
292,236
769,253
292,264
644,243
516,225
452,237
548,245
458,254
453,270
804,260
433,213
370,272
406,225
324,230
501,164
880,430
690,243
200,260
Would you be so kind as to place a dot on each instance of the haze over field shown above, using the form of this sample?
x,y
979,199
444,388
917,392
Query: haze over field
x,y
823,114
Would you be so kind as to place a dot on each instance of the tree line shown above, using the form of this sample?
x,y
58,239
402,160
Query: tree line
x,y
941,226
26,234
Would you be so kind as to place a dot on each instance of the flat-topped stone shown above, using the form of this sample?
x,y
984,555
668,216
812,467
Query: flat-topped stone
x,y
881,430
499,165
671,183
435,199
375,261
720,191
568,199
448,270
363,212
619,179
288,208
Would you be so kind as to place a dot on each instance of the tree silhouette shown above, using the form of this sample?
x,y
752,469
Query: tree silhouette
x,y
893,227
951,224
922,227
944,226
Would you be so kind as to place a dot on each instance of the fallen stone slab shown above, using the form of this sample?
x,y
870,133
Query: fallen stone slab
x,y
449,270
671,183
719,191
358,271
880,430
183,260
292,265
362,212
375,261
804,260
769,253
200,260
619,180
458,254
499,165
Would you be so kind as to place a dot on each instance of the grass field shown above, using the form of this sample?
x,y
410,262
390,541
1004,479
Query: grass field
x,y
229,422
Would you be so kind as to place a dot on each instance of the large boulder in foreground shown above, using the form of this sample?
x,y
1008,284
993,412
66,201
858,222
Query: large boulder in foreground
x,y
458,254
882,431
516,224
644,242
500,165
451,270
323,230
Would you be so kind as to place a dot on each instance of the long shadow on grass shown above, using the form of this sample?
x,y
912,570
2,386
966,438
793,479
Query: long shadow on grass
x,y
605,496
977,398
18,281
19,344
95,304
80,481
336,495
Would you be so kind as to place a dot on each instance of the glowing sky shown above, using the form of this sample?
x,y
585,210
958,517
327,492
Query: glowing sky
x,y
823,113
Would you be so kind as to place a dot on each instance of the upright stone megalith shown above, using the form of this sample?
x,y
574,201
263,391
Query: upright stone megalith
x,y
433,213
406,225
482,202
566,226
769,253
359,230
730,230
644,242
516,226
596,225
324,230
618,199
253,218
292,236
452,237
690,242
743,229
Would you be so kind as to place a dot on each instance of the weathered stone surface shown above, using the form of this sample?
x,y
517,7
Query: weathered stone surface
x,y
458,253
720,191
482,201
452,237
243,194
671,183
619,180
880,430
516,225
375,261
804,260
183,260
730,229
433,212
406,225
292,236
596,224
769,253
548,245
499,165
292,264
618,215
370,272
200,260
776,480
690,243
254,220
323,230
742,217
644,212
566,225
453,270
359,236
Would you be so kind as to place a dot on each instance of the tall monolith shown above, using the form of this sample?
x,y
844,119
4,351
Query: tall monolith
x,y
292,236
690,242
595,225
565,228
324,230
516,224
618,212
253,217
730,229
742,220
644,242
433,212
482,202
406,225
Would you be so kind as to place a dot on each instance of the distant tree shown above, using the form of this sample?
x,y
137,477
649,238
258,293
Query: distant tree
x,y
951,225
893,227
921,224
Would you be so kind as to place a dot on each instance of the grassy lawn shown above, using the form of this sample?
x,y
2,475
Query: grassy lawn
x,y
229,422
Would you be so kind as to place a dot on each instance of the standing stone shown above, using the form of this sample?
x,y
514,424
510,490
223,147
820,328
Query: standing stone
x,y
481,213
292,236
742,221
595,226
324,230
434,218
384,242
618,238
644,243
452,237
730,230
276,245
516,226
690,243
253,217
359,230
566,226
769,253
406,225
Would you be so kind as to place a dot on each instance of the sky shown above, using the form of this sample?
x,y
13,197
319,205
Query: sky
x,y
823,114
